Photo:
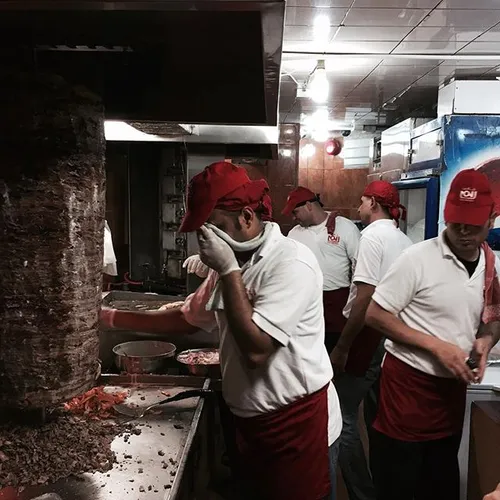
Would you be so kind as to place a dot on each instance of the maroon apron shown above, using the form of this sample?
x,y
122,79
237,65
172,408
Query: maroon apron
x,y
415,406
285,453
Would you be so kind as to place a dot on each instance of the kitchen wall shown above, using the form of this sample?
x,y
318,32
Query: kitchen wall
x,y
281,174
340,188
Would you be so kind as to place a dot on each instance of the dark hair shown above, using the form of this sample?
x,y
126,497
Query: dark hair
x,y
316,199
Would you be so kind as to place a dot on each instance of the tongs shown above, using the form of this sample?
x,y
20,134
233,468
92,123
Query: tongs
x,y
140,412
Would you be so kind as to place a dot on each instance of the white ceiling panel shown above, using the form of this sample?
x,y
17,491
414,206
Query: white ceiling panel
x,y
493,35
386,30
429,47
414,63
319,3
304,16
376,33
403,71
403,4
443,33
362,47
384,17
482,19
468,4
469,62
299,33
481,48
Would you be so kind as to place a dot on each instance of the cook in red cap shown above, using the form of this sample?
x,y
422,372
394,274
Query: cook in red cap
x,y
387,196
269,316
225,186
434,306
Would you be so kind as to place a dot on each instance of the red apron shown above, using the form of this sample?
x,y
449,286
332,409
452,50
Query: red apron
x,y
285,453
415,406
334,302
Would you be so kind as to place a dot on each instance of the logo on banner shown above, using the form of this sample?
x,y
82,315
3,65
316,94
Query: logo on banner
x,y
468,194
334,239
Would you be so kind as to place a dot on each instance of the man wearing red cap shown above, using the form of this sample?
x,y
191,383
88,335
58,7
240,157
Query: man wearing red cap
x,y
334,241
438,306
264,295
358,353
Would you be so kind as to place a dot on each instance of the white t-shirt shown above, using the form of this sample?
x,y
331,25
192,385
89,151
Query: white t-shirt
x,y
336,255
431,291
382,242
285,285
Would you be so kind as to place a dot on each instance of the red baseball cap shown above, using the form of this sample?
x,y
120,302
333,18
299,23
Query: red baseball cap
x,y
297,197
206,188
469,199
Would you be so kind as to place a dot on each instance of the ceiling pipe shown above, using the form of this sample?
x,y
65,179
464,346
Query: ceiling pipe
x,y
451,57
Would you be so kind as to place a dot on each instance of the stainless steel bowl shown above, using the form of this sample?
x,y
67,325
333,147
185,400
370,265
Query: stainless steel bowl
x,y
143,356
204,370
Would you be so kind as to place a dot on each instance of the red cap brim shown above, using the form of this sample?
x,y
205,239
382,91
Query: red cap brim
x,y
289,208
194,219
473,216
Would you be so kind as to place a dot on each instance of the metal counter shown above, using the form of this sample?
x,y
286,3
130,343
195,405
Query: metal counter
x,y
150,465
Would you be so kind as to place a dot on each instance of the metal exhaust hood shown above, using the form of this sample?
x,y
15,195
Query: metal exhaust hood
x,y
187,61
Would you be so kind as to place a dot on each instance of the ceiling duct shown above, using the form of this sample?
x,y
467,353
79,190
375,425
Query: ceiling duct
x,y
209,61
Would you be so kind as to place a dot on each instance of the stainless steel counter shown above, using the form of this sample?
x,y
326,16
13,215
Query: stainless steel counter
x,y
150,465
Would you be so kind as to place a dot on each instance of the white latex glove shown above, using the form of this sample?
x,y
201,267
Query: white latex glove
x,y
194,265
215,252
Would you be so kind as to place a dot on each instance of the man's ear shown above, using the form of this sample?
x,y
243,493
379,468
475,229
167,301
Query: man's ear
x,y
248,215
491,221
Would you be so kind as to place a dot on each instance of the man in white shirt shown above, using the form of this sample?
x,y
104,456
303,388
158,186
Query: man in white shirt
x,y
357,356
438,305
264,295
334,241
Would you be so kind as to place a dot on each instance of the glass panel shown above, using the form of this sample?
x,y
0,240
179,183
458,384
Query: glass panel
x,y
414,200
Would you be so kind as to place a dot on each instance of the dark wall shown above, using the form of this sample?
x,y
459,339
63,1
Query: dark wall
x,y
133,206
144,167
117,202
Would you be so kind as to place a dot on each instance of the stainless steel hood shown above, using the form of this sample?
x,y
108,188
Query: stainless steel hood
x,y
178,61
241,140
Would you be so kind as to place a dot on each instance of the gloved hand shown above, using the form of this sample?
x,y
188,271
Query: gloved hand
x,y
215,252
194,265
106,317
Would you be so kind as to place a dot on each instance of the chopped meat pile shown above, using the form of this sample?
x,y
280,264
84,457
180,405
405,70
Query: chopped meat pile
x,y
199,358
96,403
65,445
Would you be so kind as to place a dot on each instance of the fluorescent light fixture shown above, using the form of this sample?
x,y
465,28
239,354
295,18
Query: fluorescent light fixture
x,y
287,153
319,87
120,131
307,151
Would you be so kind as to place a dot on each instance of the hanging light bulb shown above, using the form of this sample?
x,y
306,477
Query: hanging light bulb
x,y
318,86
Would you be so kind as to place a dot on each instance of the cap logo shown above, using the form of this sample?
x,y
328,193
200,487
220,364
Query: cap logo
x,y
468,194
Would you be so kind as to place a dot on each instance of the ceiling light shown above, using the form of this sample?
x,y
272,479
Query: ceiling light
x,y
286,153
318,86
307,151
321,28
320,135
